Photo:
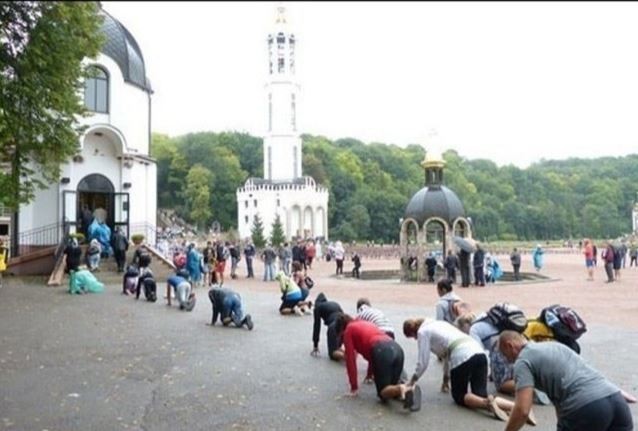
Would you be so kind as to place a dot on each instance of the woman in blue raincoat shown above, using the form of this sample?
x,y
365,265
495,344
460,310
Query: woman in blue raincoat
x,y
538,257
193,264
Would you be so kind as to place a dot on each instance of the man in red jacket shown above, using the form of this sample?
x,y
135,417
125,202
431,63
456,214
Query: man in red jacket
x,y
384,356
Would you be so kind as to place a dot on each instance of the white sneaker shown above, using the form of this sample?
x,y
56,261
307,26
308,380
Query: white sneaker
x,y
297,311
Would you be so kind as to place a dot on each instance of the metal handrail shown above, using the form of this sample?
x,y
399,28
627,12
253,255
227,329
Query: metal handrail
x,y
43,236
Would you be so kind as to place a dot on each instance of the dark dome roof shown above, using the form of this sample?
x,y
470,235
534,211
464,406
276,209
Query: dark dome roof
x,y
121,46
438,201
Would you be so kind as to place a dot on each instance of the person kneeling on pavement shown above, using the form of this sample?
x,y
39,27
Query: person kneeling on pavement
x,y
293,298
227,303
183,291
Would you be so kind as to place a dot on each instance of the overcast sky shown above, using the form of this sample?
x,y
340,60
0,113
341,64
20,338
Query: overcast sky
x,y
512,82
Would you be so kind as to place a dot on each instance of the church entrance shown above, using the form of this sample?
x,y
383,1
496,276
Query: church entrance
x,y
95,192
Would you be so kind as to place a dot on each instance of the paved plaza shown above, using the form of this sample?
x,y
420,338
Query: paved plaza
x,y
107,362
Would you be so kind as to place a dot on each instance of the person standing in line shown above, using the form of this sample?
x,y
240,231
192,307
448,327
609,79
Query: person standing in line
x,y
208,257
249,253
269,257
515,258
120,246
221,254
194,265
451,265
584,399
281,254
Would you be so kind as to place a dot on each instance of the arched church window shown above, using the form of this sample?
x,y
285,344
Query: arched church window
x,y
96,90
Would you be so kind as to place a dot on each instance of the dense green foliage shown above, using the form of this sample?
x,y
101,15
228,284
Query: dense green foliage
x,y
370,185
277,235
257,232
41,52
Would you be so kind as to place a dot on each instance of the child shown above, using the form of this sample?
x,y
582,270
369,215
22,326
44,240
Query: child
x,y
357,264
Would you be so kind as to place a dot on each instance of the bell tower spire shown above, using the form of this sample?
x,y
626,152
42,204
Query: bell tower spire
x,y
282,143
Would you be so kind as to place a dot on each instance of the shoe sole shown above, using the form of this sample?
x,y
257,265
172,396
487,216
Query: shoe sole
x,y
498,412
416,399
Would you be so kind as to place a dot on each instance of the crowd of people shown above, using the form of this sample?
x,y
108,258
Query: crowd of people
x,y
534,359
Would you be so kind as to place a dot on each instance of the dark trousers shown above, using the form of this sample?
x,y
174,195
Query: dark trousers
x,y
479,276
339,266
517,272
634,260
249,267
451,275
609,269
431,275
465,276
120,259
355,272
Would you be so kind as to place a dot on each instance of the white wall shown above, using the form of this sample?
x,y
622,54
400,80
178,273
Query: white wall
x,y
128,108
292,204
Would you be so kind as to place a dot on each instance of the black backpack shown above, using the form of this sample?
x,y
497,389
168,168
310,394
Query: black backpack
x,y
220,252
564,321
150,289
506,316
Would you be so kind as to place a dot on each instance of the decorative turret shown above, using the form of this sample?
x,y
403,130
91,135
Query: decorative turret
x,y
433,164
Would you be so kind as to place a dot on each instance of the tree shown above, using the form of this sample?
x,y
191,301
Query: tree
x,y
41,71
257,232
198,194
277,235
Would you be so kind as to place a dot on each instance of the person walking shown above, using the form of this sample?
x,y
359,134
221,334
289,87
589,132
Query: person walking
x,y
515,259
633,254
235,257
584,399
430,263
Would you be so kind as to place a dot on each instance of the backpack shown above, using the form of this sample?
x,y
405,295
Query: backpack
x,y
150,289
564,321
506,316
180,260
220,252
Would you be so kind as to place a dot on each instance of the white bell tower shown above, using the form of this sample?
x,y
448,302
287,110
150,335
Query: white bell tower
x,y
282,143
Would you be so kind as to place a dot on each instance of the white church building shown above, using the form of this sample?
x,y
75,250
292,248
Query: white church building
x,y
112,169
300,202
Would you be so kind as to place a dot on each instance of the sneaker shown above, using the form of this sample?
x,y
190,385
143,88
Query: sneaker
x,y
416,399
249,322
496,410
531,419
297,311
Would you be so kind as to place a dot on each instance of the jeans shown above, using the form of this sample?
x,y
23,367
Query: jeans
x,y
269,271
609,269
233,265
93,260
232,309
183,291
287,263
